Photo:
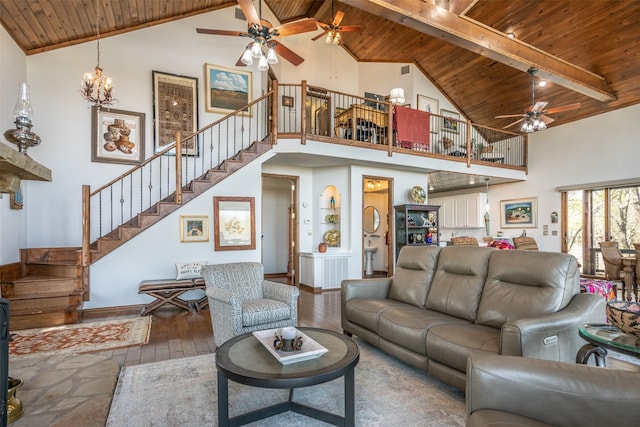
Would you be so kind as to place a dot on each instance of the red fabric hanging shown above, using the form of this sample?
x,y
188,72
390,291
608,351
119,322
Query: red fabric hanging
x,y
412,127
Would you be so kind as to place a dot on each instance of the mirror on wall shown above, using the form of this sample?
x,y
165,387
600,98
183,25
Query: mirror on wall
x,y
370,219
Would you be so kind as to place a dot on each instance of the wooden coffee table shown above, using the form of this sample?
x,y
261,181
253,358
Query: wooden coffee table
x,y
245,360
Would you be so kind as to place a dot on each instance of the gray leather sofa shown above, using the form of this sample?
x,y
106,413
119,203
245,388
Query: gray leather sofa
x,y
516,391
444,304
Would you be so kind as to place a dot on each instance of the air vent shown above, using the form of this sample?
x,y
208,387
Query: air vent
x,y
404,70
239,14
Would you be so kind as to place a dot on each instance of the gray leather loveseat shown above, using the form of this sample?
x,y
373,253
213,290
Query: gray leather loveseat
x,y
445,303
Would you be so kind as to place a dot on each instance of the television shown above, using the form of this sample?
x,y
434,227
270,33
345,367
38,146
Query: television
x,y
374,96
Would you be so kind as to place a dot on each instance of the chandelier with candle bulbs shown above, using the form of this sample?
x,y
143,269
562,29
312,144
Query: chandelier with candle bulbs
x,y
97,88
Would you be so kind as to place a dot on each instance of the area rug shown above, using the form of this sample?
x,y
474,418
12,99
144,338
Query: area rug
x,y
182,392
81,338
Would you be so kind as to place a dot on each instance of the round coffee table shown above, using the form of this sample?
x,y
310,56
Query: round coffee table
x,y
245,360
603,337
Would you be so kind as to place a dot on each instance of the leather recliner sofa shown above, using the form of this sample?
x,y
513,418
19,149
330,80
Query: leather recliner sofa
x,y
517,391
444,304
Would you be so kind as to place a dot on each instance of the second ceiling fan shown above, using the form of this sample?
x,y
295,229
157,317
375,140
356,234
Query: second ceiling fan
x,y
332,31
536,117
263,35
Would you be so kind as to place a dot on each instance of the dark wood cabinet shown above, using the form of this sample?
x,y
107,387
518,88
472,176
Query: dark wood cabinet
x,y
416,225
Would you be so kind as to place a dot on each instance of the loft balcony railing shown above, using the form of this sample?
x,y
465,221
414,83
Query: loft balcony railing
x,y
287,111
306,111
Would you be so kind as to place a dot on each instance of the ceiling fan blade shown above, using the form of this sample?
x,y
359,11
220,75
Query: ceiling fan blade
x,y
297,27
546,119
539,106
560,109
508,115
287,53
250,12
514,123
349,28
321,35
219,32
338,18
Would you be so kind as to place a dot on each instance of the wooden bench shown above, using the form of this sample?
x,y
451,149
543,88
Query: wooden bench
x,y
168,291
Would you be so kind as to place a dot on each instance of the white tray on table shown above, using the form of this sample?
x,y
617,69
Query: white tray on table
x,y
310,348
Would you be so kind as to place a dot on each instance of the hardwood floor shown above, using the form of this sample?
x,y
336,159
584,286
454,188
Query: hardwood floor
x,y
176,333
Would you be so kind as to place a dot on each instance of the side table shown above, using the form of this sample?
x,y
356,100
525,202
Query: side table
x,y
603,337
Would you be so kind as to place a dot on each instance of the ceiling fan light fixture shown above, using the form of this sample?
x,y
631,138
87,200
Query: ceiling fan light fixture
x,y
256,49
329,38
263,65
272,58
336,38
247,58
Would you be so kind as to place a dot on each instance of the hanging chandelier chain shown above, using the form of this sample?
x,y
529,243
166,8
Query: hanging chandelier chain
x,y
98,30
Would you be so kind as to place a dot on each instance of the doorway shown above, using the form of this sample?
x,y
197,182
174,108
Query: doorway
x,y
377,229
280,227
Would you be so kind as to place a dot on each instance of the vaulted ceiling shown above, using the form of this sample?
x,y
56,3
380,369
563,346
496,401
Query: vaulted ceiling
x,y
589,51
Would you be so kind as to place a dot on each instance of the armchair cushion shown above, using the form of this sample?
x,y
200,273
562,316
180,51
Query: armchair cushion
x,y
257,312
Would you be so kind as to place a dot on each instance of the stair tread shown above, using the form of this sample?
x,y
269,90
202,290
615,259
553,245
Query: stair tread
x,y
46,295
41,278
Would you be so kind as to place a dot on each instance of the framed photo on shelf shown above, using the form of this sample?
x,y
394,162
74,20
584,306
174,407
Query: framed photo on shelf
x,y
117,136
175,108
194,228
450,120
519,213
427,104
227,90
234,223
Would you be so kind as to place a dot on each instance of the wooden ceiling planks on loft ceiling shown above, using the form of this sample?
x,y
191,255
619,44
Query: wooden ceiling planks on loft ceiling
x,y
600,37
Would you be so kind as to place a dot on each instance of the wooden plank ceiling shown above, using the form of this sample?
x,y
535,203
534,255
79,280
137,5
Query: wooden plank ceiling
x,y
588,50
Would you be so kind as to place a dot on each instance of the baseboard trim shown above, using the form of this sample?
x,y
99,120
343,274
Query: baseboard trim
x,y
122,310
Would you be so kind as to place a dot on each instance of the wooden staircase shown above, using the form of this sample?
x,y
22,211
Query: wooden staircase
x,y
53,284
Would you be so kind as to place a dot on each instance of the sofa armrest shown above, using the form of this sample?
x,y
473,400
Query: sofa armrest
x,y
365,288
556,393
554,336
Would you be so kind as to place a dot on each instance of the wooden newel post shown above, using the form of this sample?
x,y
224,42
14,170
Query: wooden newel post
x,y
86,225
303,113
178,200
274,112
390,130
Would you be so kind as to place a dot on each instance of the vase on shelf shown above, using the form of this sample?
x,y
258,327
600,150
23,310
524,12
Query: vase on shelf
x,y
322,247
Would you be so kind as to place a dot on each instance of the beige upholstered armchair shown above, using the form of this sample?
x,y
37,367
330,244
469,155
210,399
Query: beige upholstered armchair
x,y
241,301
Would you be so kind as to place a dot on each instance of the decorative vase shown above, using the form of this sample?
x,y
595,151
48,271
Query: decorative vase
x,y
322,247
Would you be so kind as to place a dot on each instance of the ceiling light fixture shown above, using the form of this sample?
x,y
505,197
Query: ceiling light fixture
x,y
261,49
396,96
511,35
533,122
97,87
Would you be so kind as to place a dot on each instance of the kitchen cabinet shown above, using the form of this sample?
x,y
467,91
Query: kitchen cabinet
x,y
462,211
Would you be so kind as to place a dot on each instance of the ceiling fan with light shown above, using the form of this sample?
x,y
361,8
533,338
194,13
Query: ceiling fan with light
x,y
264,47
536,118
332,31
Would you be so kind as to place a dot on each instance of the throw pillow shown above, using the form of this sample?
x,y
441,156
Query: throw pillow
x,y
189,270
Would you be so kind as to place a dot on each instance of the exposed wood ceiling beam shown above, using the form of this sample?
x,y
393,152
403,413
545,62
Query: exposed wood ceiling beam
x,y
438,22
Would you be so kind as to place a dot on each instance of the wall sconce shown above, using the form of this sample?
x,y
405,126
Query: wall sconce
x,y
396,96
22,135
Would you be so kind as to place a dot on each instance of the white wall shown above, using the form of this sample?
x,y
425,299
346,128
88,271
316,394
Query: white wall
x,y
13,71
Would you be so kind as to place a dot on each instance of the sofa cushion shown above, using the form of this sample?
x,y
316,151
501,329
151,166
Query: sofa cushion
x,y
408,326
458,281
414,272
452,344
365,312
523,284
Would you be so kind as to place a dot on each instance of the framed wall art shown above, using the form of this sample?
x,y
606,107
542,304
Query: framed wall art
x,y
448,124
194,228
427,104
175,108
117,136
227,90
15,199
519,213
234,223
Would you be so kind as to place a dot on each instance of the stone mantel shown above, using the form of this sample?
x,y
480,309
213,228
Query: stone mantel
x,y
15,166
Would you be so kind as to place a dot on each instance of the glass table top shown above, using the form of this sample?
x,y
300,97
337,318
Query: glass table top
x,y
611,337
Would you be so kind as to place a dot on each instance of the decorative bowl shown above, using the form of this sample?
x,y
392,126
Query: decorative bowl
x,y
625,315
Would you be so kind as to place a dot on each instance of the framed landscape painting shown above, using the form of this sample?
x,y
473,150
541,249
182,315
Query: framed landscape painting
x,y
175,108
227,90
235,223
519,213
450,120
194,228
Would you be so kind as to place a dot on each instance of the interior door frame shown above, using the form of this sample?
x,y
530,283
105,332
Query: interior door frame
x,y
390,223
293,268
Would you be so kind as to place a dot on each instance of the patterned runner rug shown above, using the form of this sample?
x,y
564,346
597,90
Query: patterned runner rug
x,y
182,392
81,338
